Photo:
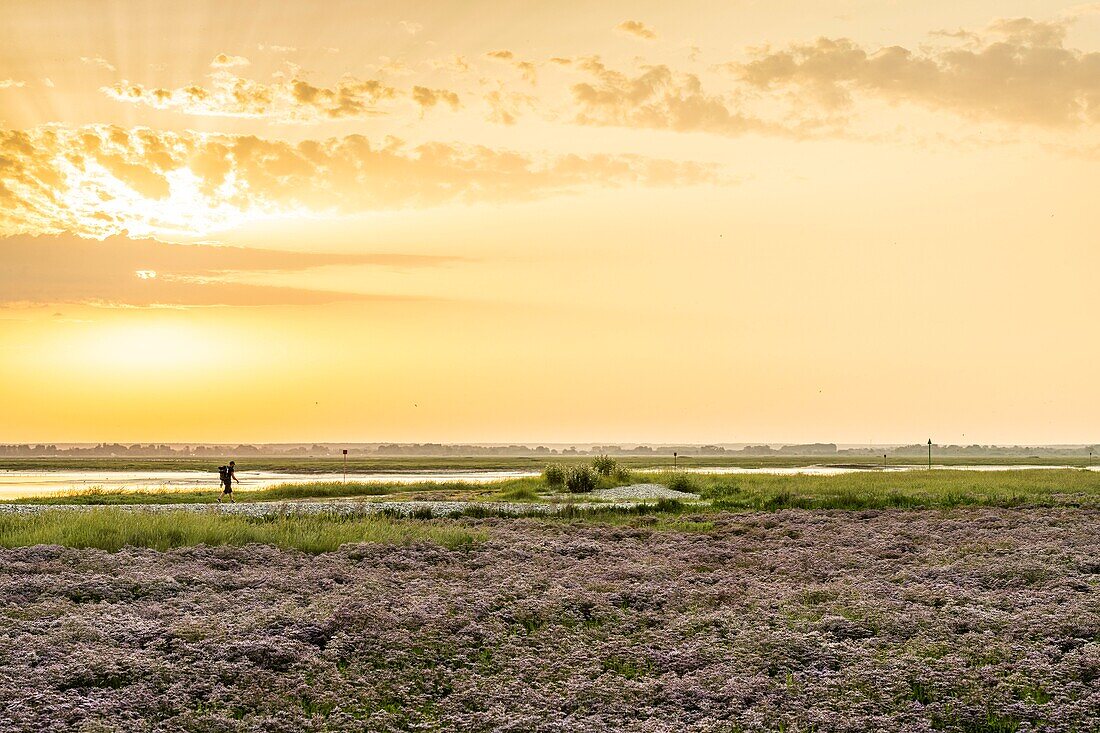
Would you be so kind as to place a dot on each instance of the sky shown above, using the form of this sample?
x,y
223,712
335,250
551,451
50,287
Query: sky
x,y
855,221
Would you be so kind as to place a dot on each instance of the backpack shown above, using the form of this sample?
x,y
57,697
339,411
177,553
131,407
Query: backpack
x,y
223,472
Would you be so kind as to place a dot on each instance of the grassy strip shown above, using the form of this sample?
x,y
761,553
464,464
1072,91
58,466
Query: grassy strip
x,y
113,529
937,489
760,492
488,463
879,490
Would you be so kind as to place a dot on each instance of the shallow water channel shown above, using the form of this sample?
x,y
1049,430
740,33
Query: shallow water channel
x,y
20,484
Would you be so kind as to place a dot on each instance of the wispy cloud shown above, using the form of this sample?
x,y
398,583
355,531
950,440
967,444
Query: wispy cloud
x,y
276,48
98,61
286,100
428,98
101,180
505,106
144,272
228,61
637,29
527,69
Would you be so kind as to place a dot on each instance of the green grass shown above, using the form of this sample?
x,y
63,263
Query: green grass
x,y
517,463
112,529
519,493
915,489
741,492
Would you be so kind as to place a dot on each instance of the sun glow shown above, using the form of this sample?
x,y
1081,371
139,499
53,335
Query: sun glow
x,y
149,348
98,201
549,226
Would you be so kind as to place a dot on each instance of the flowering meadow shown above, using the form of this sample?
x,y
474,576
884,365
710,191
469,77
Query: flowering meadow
x,y
888,620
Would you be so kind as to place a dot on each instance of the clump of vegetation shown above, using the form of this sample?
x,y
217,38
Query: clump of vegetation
x,y
604,465
520,493
554,475
679,481
613,472
581,479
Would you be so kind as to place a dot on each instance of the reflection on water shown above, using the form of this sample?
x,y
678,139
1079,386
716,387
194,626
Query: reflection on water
x,y
18,484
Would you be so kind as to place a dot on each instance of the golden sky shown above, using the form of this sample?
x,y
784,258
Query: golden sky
x,y
562,221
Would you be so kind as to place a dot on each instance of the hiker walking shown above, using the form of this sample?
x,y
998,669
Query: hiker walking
x,y
228,475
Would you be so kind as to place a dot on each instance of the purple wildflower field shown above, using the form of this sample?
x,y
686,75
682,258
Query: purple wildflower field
x,y
969,620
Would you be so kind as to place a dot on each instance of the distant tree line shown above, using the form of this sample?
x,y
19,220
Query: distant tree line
x,y
155,450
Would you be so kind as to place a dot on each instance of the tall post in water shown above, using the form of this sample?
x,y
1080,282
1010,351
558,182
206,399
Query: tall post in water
x,y
345,465
929,454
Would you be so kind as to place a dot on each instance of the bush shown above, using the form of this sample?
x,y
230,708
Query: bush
x,y
604,465
622,474
679,481
581,479
554,474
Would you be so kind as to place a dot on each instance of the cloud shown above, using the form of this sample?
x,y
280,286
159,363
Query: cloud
x,y
352,98
657,98
98,61
456,65
285,100
527,69
959,33
1017,70
100,180
411,28
144,272
11,83
428,98
393,67
1082,10
505,106
637,29
226,61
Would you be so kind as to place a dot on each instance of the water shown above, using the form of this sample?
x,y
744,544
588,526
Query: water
x,y
838,470
20,484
